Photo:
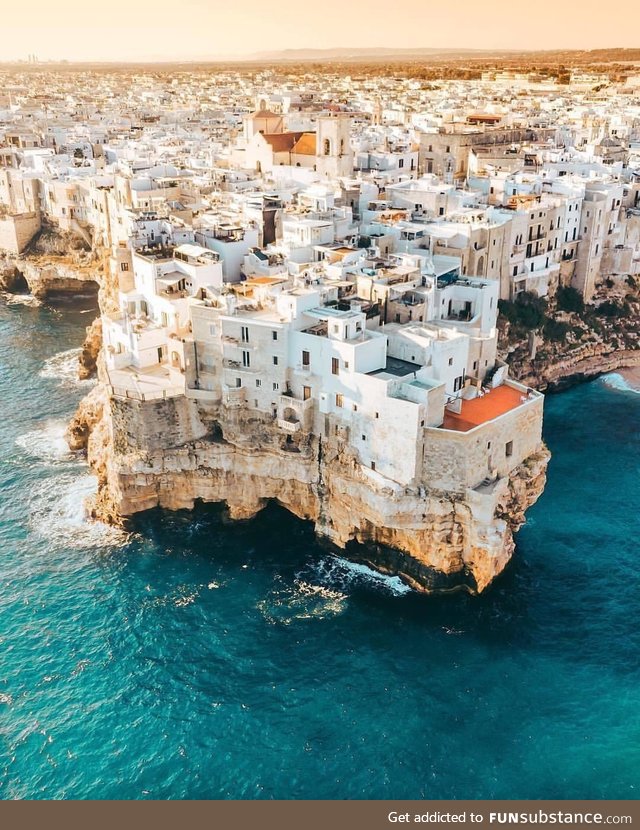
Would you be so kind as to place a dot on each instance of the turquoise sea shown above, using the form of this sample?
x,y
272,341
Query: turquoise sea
x,y
195,658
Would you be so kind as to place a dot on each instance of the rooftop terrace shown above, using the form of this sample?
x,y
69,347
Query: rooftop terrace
x,y
482,409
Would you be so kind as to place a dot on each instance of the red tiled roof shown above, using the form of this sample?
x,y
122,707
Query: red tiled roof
x,y
306,145
281,142
480,410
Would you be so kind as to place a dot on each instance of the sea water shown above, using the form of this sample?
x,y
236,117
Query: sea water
x,y
196,658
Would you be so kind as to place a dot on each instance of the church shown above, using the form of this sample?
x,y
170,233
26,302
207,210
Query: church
x,y
266,144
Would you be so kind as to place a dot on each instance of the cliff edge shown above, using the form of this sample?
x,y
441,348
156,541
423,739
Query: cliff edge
x,y
175,451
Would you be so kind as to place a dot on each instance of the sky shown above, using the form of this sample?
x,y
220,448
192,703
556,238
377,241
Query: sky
x,y
130,30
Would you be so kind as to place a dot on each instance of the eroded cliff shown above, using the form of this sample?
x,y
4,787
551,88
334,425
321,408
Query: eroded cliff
x,y
173,452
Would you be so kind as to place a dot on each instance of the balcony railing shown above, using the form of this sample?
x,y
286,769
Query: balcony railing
x,y
289,426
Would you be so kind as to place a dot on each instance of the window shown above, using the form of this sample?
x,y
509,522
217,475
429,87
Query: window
x,y
306,392
450,361
238,383
212,329
335,366
373,465
124,266
276,386
346,364
339,400
354,407
377,414
245,334
364,437
274,335
246,359
305,359
475,365
508,448
258,383
275,360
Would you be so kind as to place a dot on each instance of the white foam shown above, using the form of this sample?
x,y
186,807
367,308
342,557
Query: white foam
x,y
302,601
342,572
47,443
64,367
617,381
59,513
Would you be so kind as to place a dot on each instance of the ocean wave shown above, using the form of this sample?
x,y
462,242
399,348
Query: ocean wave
x,y
336,571
302,601
59,514
63,367
48,443
615,380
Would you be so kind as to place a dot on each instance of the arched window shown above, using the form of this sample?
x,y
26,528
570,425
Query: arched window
x,y
327,147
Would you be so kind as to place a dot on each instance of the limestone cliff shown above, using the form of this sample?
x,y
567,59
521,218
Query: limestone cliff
x,y
173,452
88,358
56,265
574,346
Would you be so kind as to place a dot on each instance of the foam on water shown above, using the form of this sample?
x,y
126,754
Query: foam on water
x,y
59,513
617,381
302,601
63,367
336,571
48,443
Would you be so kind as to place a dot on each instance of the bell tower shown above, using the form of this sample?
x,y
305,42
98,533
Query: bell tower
x,y
334,156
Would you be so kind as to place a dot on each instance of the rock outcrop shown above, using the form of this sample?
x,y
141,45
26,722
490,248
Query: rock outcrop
x,y
56,266
174,452
574,366
88,360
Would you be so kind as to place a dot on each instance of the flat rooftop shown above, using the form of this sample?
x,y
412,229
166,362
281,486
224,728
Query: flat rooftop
x,y
396,367
482,409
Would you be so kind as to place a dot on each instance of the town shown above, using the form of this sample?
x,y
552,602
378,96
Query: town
x,y
328,259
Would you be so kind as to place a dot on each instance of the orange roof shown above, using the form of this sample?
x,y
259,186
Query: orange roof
x,y
306,145
480,410
281,142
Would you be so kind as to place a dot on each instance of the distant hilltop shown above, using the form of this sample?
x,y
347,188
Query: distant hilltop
x,y
477,58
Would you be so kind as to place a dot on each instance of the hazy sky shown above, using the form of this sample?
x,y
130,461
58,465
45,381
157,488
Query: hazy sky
x,y
208,29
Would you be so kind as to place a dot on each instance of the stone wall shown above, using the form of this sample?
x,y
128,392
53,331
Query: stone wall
x,y
17,231
454,461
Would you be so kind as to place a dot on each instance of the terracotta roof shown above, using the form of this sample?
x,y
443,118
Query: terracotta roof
x,y
306,145
480,410
281,142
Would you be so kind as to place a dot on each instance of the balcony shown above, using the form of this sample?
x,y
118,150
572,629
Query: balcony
x,y
299,406
289,426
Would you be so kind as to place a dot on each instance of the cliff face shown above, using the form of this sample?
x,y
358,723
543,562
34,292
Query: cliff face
x,y
571,367
56,265
172,452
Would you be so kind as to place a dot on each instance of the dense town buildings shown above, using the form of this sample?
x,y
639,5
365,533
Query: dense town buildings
x,y
326,258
